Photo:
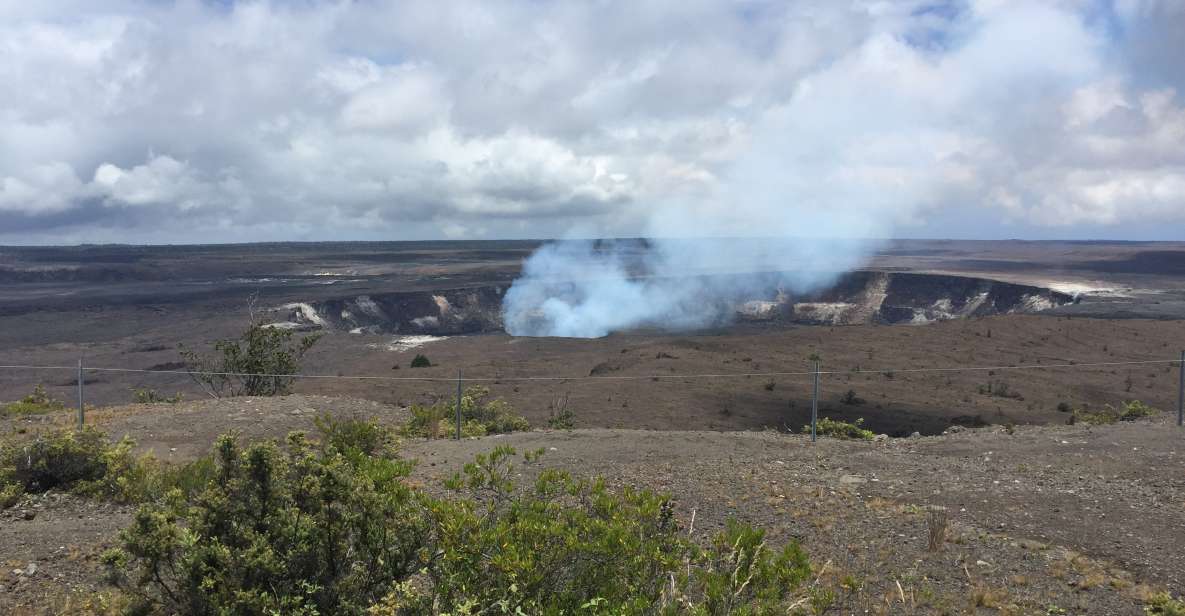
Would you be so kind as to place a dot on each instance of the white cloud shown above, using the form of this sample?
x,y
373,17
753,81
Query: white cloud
x,y
43,189
418,119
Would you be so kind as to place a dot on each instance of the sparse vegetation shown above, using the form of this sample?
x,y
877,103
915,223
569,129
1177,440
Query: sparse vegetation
x,y
850,398
421,361
1000,389
479,416
559,416
1064,407
1163,604
1128,411
36,402
257,363
936,525
840,429
151,396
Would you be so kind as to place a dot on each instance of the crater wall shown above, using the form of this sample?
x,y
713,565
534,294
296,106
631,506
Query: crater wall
x,y
856,298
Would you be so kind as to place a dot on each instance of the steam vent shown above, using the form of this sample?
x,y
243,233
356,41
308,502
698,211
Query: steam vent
x,y
858,297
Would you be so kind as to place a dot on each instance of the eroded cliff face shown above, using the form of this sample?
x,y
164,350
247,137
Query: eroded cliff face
x,y
447,312
858,297
889,297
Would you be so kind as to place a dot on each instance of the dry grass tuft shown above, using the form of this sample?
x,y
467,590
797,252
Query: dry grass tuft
x,y
936,523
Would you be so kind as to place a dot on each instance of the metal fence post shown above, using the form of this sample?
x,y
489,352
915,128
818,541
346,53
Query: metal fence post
x,y
458,404
815,403
1181,391
81,408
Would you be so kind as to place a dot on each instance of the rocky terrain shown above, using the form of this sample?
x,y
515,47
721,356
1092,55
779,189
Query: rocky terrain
x,y
1085,520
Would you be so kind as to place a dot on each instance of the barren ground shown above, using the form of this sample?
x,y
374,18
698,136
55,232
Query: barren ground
x,y
1086,519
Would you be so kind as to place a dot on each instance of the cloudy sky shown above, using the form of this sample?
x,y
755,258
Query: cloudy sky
x,y
208,121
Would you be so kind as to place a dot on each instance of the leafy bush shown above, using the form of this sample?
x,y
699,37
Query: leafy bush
x,y
421,361
840,429
84,462
64,460
305,529
37,402
257,363
312,528
573,546
479,417
1134,409
1064,407
151,396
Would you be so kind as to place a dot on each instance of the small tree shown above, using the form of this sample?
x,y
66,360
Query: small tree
x,y
257,363
421,361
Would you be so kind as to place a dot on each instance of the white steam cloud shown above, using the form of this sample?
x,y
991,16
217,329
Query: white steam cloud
x,y
906,129
587,289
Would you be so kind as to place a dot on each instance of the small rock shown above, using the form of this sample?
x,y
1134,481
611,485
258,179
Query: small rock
x,y
28,514
916,435
31,569
851,479
953,430
982,563
881,438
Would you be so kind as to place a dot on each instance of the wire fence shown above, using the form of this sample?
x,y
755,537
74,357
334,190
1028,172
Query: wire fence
x,y
468,379
77,376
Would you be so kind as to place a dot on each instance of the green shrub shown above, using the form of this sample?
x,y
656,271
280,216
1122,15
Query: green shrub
x,y
84,462
1094,418
1128,411
479,416
564,419
151,396
840,429
739,573
189,479
35,403
1163,604
257,363
10,494
58,460
1134,409
304,529
571,545
310,529
421,361
356,436
80,461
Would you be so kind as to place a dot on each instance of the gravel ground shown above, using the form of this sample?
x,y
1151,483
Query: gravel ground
x,y
1088,520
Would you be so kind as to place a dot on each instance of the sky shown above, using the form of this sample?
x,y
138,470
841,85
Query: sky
x,y
201,121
